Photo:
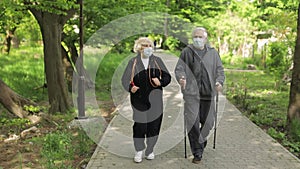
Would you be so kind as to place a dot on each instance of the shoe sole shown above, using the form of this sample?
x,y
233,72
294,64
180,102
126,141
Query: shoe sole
x,y
137,161
150,158
196,162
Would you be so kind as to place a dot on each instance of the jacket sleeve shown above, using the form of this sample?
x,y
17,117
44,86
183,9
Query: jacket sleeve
x,y
166,77
181,66
127,76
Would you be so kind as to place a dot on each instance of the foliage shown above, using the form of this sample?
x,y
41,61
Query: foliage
x,y
231,23
11,15
56,148
275,134
278,60
60,147
28,31
60,144
13,125
83,144
231,33
33,109
172,43
295,130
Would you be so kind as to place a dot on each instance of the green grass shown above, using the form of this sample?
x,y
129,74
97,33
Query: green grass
x,y
59,148
23,71
264,101
106,70
254,94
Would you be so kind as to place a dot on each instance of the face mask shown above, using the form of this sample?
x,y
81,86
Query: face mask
x,y
199,42
148,52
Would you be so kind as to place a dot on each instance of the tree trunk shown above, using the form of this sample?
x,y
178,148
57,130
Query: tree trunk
x,y
51,26
8,39
166,33
13,102
294,104
68,68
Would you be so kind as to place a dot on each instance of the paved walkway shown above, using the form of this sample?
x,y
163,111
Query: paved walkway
x,y
240,143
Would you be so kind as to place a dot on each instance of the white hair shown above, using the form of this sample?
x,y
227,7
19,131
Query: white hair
x,y
200,29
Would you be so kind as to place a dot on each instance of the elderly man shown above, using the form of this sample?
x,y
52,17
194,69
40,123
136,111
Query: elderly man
x,y
200,73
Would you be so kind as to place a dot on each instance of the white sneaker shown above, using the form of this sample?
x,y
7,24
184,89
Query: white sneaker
x,y
138,156
150,156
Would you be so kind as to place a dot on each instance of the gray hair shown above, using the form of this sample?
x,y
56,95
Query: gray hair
x,y
200,29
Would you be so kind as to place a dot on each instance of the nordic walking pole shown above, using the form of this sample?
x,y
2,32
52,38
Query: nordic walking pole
x,y
216,120
184,120
185,156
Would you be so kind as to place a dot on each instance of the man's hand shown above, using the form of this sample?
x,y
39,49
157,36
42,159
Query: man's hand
x,y
156,81
134,89
218,87
182,82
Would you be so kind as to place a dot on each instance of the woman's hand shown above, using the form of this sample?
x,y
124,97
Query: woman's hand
x,y
156,81
134,89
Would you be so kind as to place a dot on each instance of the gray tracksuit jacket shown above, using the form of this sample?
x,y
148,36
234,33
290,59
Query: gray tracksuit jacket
x,y
189,66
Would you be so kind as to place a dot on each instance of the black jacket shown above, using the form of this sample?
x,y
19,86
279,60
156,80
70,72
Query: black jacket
x,y
147,102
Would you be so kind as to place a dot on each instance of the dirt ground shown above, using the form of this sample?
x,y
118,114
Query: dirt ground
x,y
24,154
21,153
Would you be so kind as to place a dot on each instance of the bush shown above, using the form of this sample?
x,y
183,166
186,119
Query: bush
x,y
172,43
278,59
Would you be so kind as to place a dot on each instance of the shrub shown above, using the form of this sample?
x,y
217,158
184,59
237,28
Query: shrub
x,y
278,60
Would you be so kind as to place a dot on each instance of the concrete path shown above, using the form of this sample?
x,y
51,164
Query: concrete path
x,y
240,143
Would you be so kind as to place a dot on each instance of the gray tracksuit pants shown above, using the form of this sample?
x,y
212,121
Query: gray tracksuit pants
x,y
200,115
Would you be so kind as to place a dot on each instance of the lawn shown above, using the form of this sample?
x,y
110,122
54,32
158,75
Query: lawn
x,y
264,100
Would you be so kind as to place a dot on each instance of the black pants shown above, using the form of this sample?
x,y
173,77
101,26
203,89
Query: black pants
x,y
198,112
150,131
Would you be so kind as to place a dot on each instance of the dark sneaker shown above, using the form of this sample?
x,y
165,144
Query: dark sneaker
x,y
197,159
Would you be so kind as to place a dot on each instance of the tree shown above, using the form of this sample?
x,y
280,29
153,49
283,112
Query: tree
x,y
52,16
10,19
294,103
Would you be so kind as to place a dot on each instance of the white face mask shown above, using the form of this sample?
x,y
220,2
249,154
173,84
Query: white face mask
x,y
148,52
199,42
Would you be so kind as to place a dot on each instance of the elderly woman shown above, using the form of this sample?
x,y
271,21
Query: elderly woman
x,y
144,78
